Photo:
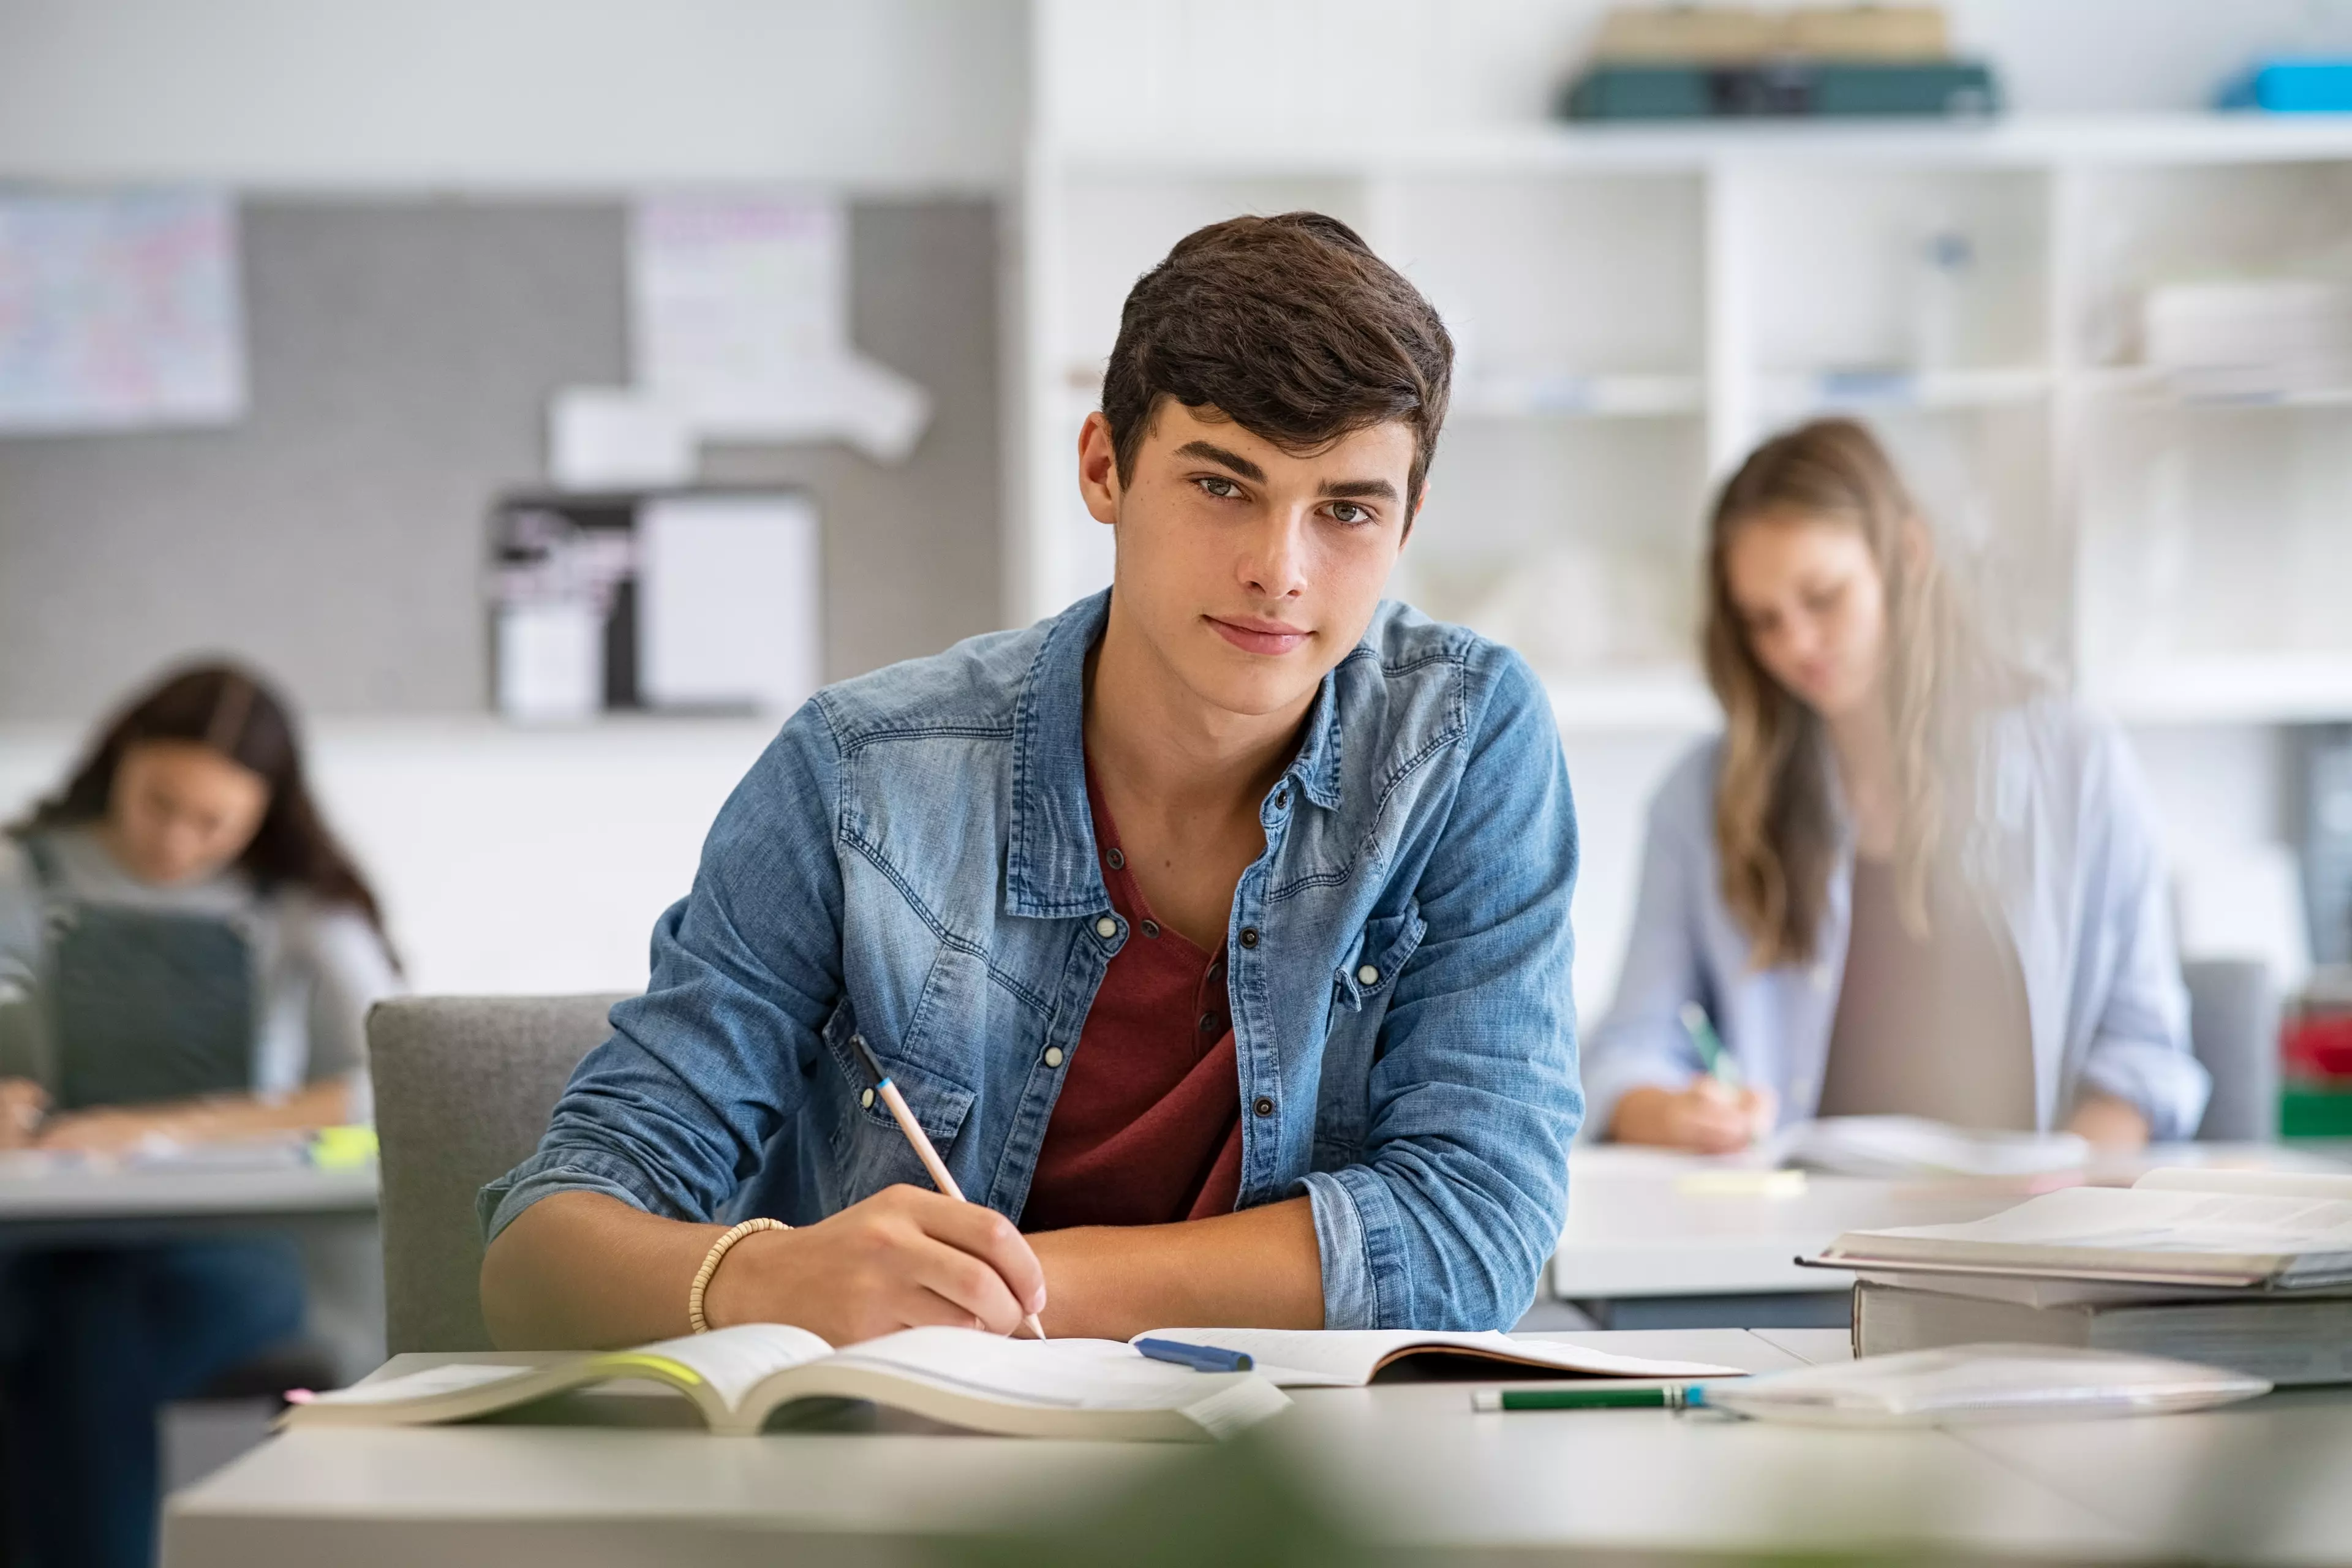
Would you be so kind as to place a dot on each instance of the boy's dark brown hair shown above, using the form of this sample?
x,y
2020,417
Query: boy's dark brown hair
x,y
1290,327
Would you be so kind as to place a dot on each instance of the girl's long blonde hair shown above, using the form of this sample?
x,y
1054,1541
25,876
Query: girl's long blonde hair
x,y
1776,830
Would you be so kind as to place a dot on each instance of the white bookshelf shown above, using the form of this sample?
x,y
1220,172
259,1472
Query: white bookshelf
x,y
1635,306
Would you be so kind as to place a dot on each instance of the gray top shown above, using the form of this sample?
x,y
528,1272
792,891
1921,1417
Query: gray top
x,y
320,966
1931,1025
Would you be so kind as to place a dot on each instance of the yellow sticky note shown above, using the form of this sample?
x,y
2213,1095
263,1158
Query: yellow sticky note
x,y
1742,1184
343,1148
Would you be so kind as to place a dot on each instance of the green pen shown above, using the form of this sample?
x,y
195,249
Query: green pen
x,y
1688,1396
1719,1062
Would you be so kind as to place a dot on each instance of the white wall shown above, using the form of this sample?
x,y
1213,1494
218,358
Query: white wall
x,y
508,860
539,94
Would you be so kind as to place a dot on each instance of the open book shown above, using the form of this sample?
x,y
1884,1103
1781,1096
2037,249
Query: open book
x,y
1060,1388
2175,1228
738,1377
1351,1358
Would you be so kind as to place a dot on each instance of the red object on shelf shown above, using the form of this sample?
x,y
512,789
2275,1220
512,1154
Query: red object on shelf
x,y
2319,1046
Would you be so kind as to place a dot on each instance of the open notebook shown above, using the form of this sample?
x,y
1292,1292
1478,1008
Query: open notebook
x,y
1351,1358
737,1377
2174,1226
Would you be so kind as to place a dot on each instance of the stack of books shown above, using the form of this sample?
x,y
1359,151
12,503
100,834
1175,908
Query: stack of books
x,y
1697,62
2251,1271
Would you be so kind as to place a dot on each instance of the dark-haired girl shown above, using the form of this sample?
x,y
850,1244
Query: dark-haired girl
x,y
186,955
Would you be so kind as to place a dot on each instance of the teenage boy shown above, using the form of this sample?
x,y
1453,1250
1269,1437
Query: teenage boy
x,y
1216,929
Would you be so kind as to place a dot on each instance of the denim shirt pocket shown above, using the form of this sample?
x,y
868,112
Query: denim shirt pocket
x,y
1378,956
871,1151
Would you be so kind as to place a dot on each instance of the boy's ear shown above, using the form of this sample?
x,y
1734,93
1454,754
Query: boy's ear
x,y
1099,482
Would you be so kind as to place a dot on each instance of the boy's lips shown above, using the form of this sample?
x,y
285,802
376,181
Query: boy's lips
x,y
1254,635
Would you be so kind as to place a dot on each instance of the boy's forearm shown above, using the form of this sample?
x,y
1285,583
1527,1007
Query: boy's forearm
x,y
581,1270
1258,1268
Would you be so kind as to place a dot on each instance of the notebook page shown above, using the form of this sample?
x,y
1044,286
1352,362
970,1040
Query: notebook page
x,y
1076,1375
731,1361
1347,1358
433,1380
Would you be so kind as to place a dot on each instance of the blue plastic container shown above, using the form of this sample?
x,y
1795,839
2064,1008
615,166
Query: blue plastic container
x,y
2293,87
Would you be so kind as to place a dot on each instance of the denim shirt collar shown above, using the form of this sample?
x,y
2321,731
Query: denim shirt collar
x,y
1051,870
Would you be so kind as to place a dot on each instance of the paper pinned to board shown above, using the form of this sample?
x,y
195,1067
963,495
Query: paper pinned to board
x,y
738,323
728,596
119,312
613,437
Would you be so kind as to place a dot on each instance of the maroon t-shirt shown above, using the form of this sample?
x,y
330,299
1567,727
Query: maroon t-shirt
x,y
1148,1129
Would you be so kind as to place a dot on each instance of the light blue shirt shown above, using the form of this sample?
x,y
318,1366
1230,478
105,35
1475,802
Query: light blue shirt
x,y
913,860
2065,838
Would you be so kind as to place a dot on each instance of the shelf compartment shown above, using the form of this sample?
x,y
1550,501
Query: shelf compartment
x,y
1538,395
2239,688
1795,393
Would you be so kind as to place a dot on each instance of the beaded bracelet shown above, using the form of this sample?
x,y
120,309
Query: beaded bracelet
x,y
694,1317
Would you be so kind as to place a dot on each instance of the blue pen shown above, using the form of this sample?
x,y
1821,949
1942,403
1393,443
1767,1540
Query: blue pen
x,y
1199,1358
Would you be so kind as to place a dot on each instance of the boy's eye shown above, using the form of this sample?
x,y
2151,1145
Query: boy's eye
x,y
1350,513
1223,488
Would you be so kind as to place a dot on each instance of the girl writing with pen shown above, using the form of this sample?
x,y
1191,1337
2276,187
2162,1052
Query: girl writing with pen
x,y
1907,878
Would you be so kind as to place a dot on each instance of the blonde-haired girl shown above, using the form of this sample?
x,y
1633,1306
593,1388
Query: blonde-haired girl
x,y
1906,879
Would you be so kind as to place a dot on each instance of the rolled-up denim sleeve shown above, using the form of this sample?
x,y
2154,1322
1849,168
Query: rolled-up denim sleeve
x,y
2140,1052
671,1112
1641,1042
1474,1100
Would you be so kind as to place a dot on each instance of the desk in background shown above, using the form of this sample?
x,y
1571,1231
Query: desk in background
x,y
330,1213
1661,1239
47,1199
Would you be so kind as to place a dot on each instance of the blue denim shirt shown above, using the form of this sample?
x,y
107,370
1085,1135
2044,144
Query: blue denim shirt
x,y
2065,839
913,860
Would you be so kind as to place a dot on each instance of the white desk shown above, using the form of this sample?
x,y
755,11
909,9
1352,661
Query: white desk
x,y
1647,1223
1644,1224
42,1200
1410,1461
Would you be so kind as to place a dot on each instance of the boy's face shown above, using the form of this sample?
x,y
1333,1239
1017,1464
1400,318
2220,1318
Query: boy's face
x,y
1249,571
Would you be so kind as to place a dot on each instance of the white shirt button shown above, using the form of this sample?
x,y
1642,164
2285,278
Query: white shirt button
x,y
1106,927
1368,976
867,1099
1052,1056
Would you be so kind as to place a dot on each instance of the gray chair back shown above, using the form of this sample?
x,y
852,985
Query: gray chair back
x,y
2233,1028
463,1089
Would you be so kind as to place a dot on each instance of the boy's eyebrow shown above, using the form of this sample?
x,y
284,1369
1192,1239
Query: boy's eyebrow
x,y
1209,453
1330,490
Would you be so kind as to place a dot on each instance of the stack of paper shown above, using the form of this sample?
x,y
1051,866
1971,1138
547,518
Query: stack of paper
x,y
2242,1269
